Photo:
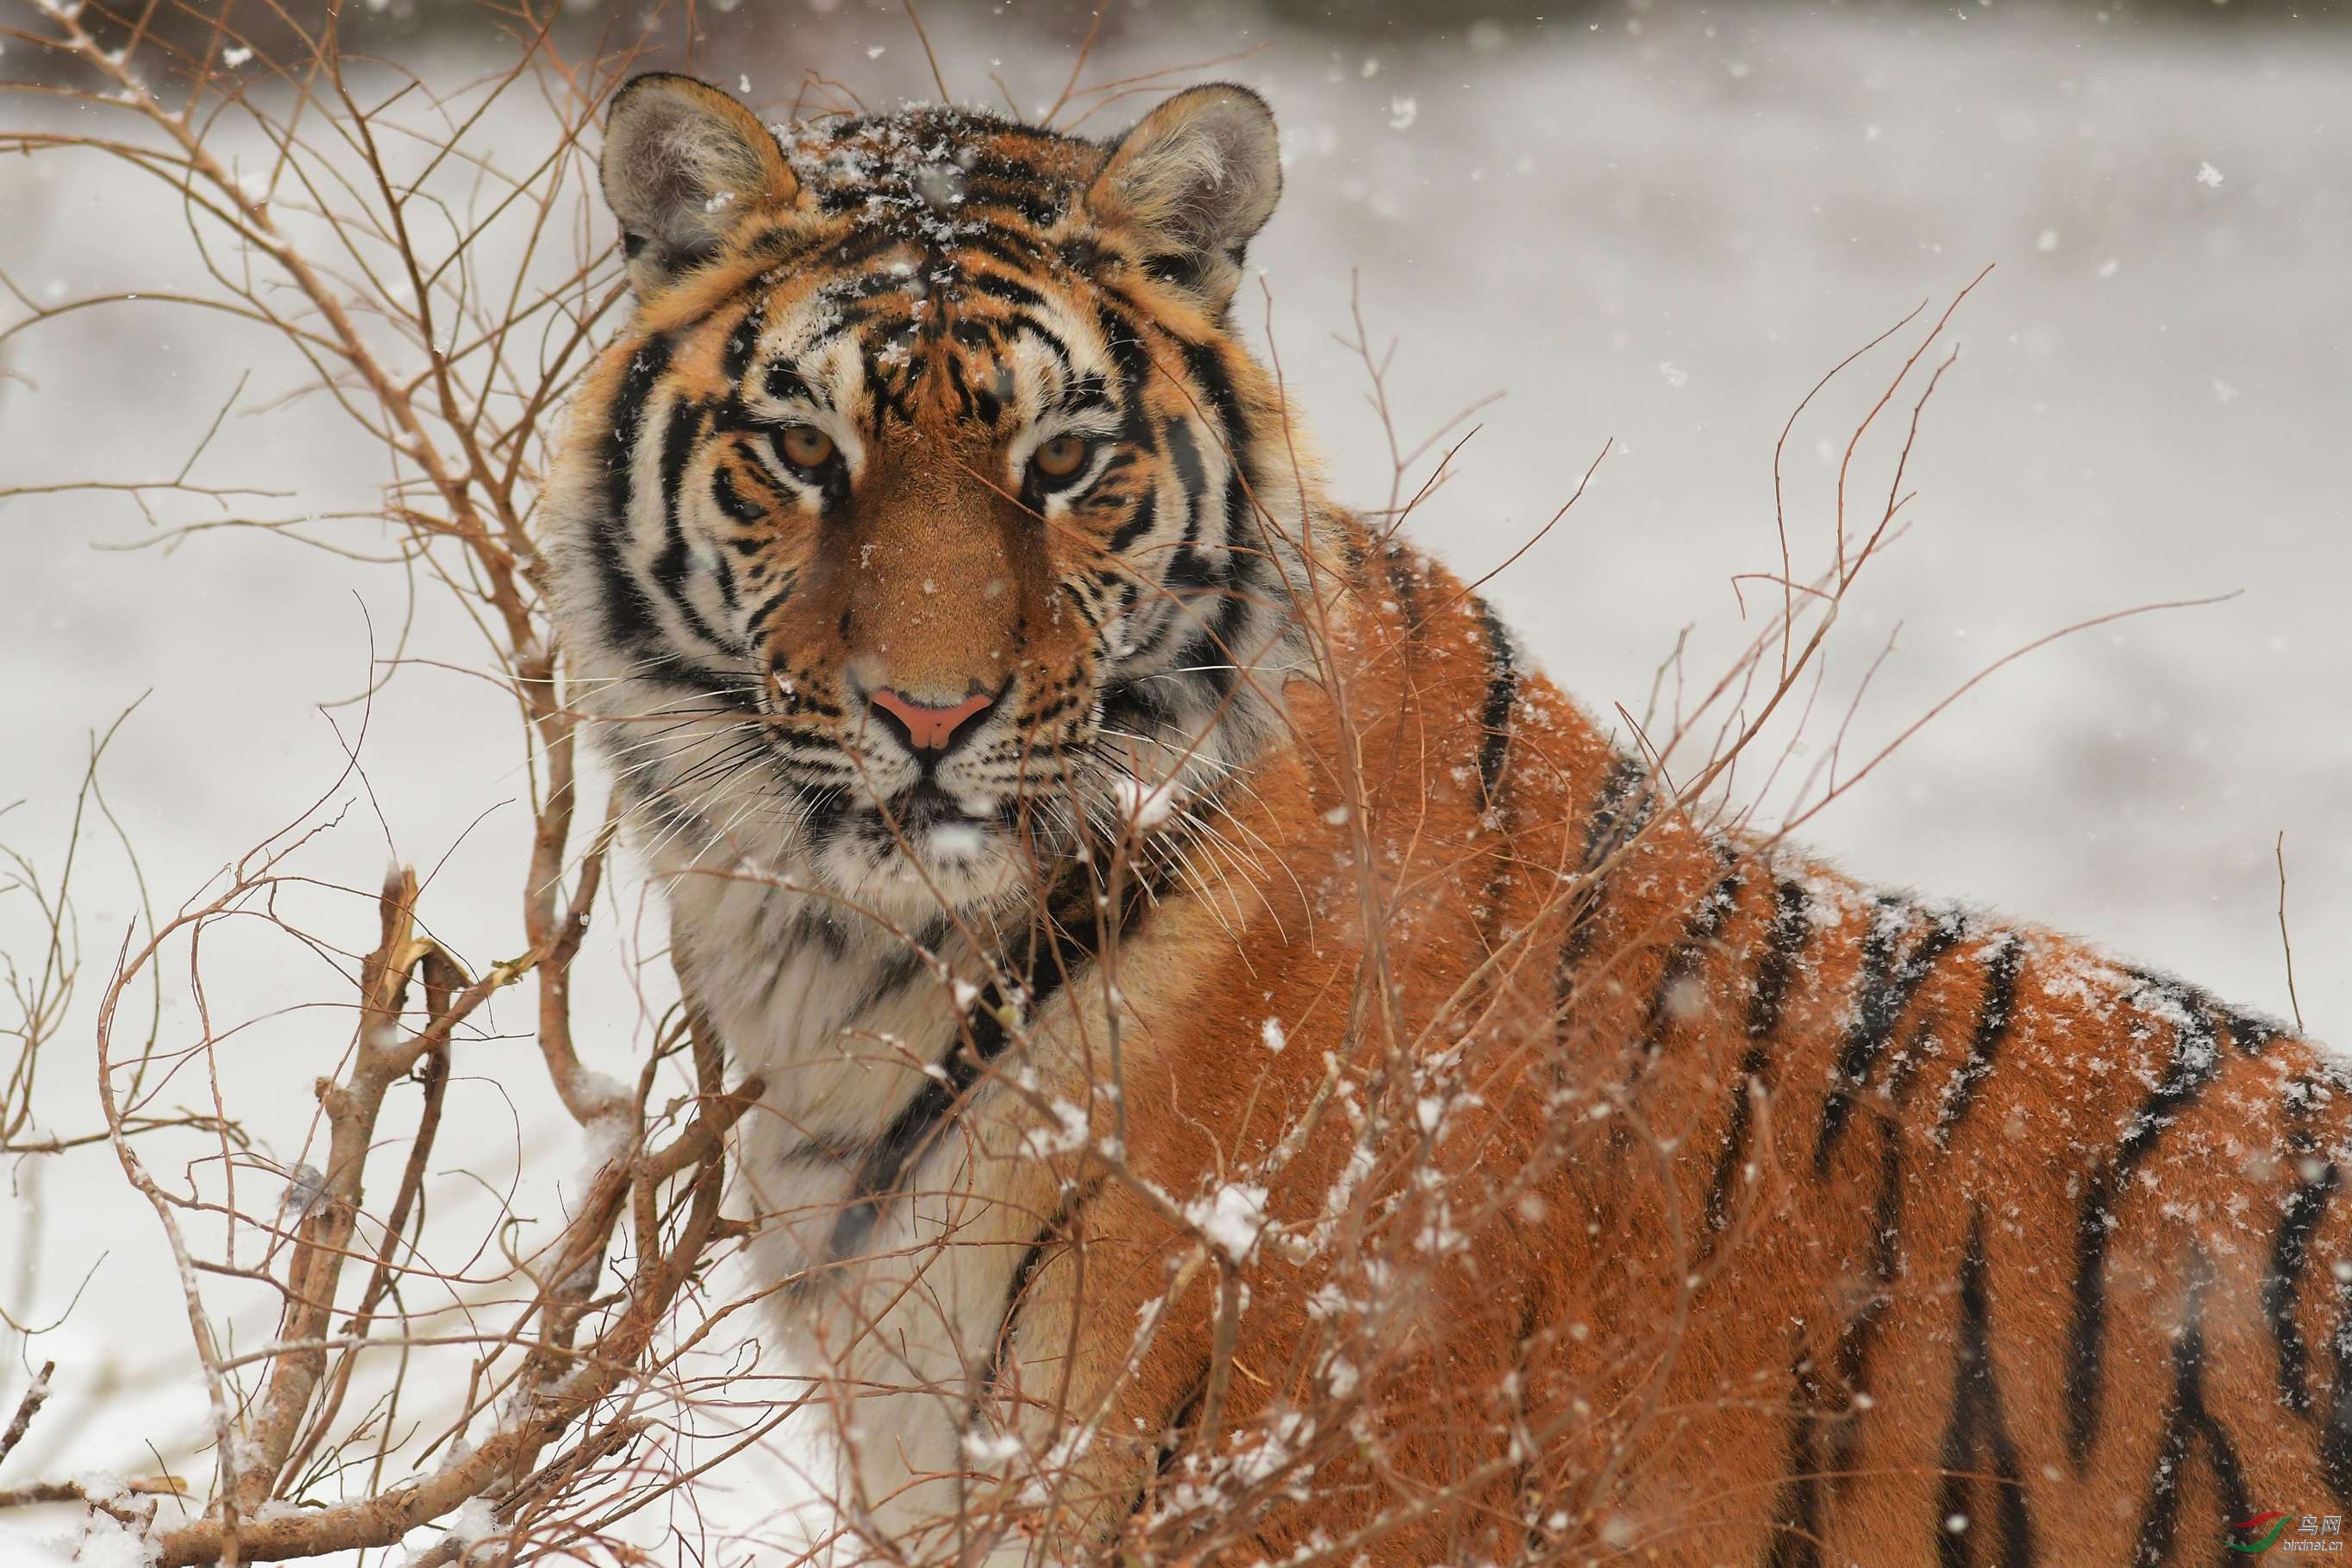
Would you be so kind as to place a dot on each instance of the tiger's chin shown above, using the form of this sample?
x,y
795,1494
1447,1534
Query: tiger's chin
x,y
924,856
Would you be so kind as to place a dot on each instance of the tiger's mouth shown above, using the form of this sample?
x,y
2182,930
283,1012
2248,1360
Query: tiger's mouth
x,y
920,849
934,824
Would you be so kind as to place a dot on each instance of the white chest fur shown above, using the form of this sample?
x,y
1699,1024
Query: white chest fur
x,y
888,1171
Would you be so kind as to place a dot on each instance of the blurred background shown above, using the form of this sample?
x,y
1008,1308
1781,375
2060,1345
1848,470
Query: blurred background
x,y
1649,227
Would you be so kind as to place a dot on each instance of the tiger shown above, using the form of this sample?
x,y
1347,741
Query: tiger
x,y
1247,1071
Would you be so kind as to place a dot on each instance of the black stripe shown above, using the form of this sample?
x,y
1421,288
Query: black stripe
x,y
727,759
1237,509
996,285
1190,571
1172,1438
984,1038
1701,929
1073,929
849,296
2247,1032
1994,1014
758,623
1797,1512
1139,705
673,569
854,250
1124,346
1791,924
628,611
731,500
1398,565
1979,1433
1021,324
1087,393
1033,1258
2335,1433
1882,996
2158,1512
1495,718
1009,247
1494,749
1146,512
961,388
891,975
782,246
1859,1333
2195,1056
985,399
2187,1426
1033,207
1857,1336
784,382
1192,473
1186,568
729,598
2299,1216
2229,1471
1611,826
742,343
2243,1030
1618,817
1214,658
1205,363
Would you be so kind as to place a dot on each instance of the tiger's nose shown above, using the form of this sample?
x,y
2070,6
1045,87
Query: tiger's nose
x,y
930,729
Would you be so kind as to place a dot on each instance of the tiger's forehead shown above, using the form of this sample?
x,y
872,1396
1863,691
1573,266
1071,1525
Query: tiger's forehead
x,y
929,168
937,272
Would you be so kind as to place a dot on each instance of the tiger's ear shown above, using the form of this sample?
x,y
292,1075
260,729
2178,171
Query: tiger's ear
x,y
684,164
1197,177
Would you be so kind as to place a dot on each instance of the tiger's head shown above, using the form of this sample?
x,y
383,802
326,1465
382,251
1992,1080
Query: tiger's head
x,y
928,515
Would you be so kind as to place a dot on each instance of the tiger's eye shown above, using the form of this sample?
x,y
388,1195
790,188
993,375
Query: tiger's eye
x,y
806,445
1061,457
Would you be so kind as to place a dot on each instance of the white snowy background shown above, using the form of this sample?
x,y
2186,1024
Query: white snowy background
x,y
1652,225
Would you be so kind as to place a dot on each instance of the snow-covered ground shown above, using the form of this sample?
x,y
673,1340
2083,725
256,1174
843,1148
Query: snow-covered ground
x,y
1657,231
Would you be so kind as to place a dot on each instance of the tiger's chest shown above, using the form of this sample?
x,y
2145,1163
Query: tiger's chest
x,y
887,1168
888,1145
844,1022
